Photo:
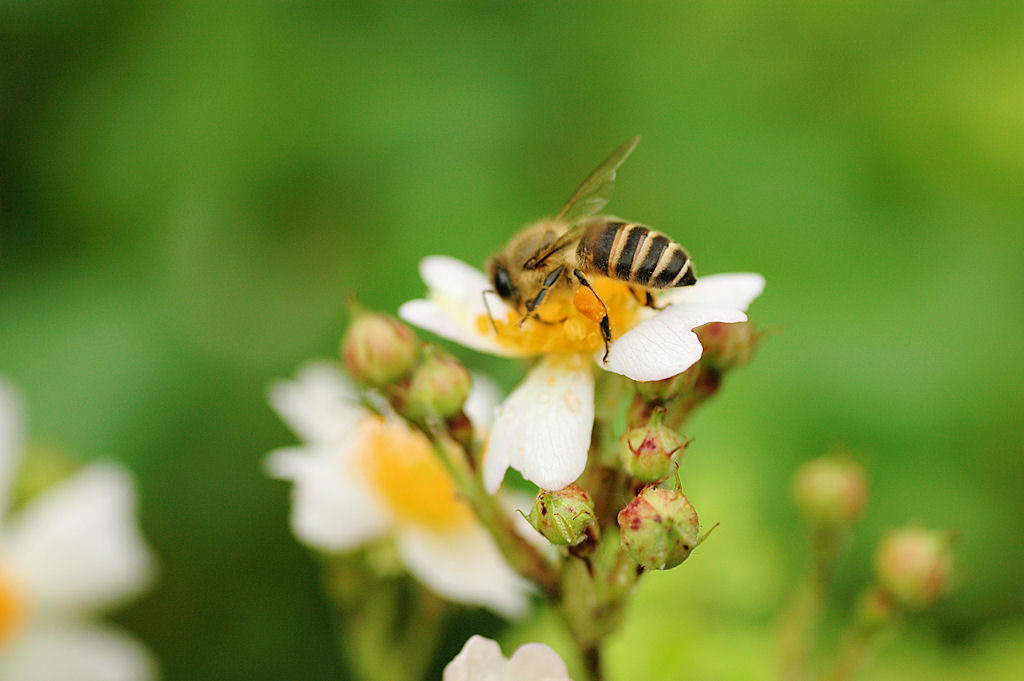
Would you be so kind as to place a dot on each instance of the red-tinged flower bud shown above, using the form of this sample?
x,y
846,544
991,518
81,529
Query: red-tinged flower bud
x,y
439,386
915,565
377,348
830,491
726,345
563,516
659,528
647,452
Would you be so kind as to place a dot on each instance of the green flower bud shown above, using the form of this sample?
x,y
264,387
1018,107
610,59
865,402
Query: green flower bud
x,y
659,528
915,565
647,451
438,387
563,516
669,388
727,345
830,491
377,348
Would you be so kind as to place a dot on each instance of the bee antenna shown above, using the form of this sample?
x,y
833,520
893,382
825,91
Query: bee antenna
x,y
483,296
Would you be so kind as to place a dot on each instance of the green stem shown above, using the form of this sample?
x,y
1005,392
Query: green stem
x,y
522,556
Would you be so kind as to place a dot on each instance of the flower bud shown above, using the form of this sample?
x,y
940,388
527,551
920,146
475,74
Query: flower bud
x,y
669,388
915,565
438,387
377,348
830,491
726,345
562,515
659,528
647,451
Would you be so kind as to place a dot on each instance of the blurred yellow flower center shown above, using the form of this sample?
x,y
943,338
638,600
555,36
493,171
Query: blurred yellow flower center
x,y
405,472
569,322
12,608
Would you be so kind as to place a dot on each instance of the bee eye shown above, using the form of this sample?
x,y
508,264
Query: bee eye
x,y
502,284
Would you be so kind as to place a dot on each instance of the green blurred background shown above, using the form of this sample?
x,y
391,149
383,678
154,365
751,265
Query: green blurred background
x,y
190,190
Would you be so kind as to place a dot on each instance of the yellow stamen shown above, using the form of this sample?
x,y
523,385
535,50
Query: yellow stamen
x,y
568,323
12,608
405,472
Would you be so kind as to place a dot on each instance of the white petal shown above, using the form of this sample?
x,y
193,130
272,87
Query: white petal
x,y
479,660
543,428
463,565
455,304
320,405
736,290
70,653
455,323
332,507
665,344
12,419
77,546
483,399
459,282
535,661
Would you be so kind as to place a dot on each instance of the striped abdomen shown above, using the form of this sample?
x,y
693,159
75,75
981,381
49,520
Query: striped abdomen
x,y
634,253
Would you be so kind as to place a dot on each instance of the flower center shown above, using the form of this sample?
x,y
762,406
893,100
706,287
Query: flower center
x,y
405,473
568,323
12,607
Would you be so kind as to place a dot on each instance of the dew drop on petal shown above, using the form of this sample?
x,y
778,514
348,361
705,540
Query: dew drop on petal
x,y
572,400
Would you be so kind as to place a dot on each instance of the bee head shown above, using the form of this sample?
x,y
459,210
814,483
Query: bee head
x,y
503,283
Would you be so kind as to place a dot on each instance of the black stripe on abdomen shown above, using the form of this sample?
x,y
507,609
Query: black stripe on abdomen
x,y
671,270
600,246
624,264
657,246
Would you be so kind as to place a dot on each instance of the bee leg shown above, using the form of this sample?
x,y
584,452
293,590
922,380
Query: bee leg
x,y
605,323
549,281
646,299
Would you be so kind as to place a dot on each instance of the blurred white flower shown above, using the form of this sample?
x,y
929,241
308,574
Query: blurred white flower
x,y
70,553
481,660
359,476
543,428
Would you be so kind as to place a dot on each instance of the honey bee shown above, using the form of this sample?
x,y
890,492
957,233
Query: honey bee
x,y
556,255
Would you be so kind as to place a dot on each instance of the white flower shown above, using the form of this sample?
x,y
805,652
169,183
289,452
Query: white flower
x,y
543,428
481,660
69,553
359,476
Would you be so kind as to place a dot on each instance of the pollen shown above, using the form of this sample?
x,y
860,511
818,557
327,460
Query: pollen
x,y
12,608
408,477
568,324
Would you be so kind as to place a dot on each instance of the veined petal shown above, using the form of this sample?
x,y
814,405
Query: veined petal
x,y
77,546
665,344
543,428
736,290
332,508
320,405
12,420
65,652
463,565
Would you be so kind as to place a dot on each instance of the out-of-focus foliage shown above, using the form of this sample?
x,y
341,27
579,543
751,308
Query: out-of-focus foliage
x,y
189,191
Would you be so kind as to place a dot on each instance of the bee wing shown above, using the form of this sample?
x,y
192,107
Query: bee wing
x,y
592,195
